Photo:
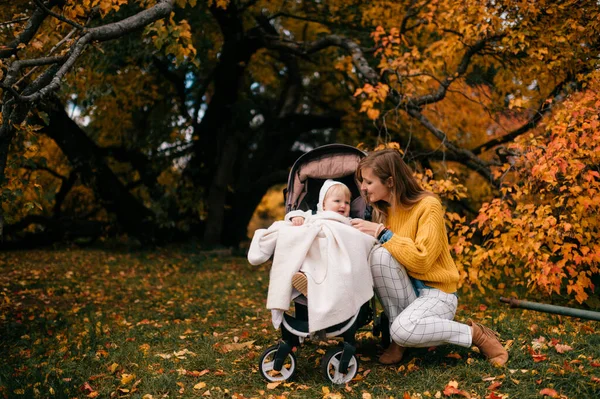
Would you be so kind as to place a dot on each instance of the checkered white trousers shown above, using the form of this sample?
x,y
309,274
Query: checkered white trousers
x,y
421,320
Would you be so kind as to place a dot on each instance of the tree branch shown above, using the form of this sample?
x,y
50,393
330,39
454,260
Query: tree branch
x,y
102,33
440,93
306,48
542,110
14,21
46,169
57,16
471,160
32,26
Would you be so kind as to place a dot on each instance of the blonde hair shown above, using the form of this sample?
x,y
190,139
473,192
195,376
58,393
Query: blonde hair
x,y
405,190
338,189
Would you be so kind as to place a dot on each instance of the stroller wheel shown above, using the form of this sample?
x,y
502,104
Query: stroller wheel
x,y
330,367
267,365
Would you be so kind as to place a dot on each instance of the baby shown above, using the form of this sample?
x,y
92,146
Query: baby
x,y
322,256
334,197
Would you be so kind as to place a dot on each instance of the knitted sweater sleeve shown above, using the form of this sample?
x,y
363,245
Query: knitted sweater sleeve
x,y
420,255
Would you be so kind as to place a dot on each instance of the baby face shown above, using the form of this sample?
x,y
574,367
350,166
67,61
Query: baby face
x,y
337,202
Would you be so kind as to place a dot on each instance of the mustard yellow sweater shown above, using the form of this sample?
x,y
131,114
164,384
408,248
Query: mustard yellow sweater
x,y
420,244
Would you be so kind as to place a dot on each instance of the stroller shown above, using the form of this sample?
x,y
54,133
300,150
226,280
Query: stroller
x,y
339,365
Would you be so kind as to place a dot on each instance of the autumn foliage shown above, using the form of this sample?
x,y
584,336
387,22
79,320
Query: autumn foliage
x,y
543,230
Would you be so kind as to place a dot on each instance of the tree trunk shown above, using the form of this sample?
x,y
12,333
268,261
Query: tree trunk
x,y
86,158
217,194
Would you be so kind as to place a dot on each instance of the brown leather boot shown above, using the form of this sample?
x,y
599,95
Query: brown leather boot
x,y
393,354
489,345
300,282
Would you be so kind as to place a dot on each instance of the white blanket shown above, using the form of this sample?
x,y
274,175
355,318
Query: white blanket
x,y
333,255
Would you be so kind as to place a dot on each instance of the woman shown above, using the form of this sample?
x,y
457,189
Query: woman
x,y
414,275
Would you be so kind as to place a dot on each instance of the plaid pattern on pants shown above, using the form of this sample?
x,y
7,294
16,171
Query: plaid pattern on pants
x,y
421,320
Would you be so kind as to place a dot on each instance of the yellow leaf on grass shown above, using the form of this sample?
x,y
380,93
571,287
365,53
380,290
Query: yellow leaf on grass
x,y
113,367
273,385
127,378
237,346
200,385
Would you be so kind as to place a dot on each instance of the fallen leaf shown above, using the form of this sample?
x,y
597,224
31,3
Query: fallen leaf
x,y
200,385
538,357
127,378
560,348
549,392
101,353
196,373
86,387
454,355
366,395
495,385
182,353
452,389
236,346
273,385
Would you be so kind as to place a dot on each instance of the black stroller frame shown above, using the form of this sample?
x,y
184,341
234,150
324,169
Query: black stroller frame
x,y
339,364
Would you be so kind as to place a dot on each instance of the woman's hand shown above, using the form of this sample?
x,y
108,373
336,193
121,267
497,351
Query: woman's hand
x,y
369,228
297,221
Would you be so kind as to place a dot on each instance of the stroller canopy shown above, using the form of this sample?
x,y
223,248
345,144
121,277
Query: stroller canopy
x,y
332,161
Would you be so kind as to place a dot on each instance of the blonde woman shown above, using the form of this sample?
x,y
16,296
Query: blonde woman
x,y
414,275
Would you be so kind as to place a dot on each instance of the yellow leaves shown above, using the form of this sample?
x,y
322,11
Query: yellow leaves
x,y
219,3
127,378
173,38
200,385
327,394
181,355
236,346
375,94
113,367
144,348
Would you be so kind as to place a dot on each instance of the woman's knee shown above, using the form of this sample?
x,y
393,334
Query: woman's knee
x,y
402,331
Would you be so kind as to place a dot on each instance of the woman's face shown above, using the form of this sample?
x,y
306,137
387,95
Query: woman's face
x,y
373,187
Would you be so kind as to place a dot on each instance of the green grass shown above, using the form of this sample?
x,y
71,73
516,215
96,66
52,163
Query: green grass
x,y
100,323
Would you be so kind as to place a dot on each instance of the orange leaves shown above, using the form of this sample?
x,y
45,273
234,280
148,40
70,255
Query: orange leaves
x,y
375,94
452,389
545,237
549,392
